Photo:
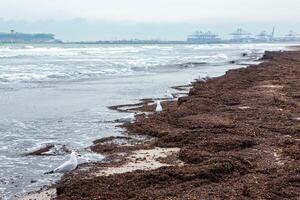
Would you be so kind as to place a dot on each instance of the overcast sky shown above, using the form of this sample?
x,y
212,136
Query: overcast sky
x,y
123,12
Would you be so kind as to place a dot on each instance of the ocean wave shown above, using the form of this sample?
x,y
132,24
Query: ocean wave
x,y
208,46
29,47
220,56
31,51
4,80
84,68
21,77
10,56
58,76
62,76
38,63
150,47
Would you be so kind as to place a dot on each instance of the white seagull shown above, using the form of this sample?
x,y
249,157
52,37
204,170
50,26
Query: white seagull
x,y
158,106
200,79
68,166
169,95
129,118
207,77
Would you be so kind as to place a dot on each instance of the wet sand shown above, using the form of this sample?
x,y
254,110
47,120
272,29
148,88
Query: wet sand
x,y
233,137
44,194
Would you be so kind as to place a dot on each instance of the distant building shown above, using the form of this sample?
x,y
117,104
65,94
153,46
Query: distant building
x,y
241,35
200,37
26,37
291,36
265,37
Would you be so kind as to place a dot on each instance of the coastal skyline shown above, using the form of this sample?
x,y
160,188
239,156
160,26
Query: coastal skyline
x,y
113,20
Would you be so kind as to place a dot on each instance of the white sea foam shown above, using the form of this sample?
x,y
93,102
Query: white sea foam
x,y
28,47
32,63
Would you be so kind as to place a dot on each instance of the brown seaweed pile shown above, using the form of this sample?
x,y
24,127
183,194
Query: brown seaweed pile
x,y
238,134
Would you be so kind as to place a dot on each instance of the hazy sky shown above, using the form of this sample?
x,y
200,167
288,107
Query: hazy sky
x,y
93,13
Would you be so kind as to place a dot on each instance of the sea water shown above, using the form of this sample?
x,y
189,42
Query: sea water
x,y
59,94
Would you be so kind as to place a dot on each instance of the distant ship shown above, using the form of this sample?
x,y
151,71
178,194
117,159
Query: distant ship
x,y
200,37
15,37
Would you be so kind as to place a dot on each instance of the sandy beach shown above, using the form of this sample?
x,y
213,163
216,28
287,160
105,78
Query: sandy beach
x,y
233,137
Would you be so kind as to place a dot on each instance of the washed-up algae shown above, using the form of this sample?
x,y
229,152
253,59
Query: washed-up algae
x,y
238,135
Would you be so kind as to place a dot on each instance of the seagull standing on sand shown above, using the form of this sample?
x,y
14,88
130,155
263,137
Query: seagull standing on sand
x,y
158,106
207,78
200,79
68,166
127,119
169,95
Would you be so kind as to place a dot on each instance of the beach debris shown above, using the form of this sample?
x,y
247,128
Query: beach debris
x,y
127,119
244,54
244,107
33,181
68,166
158,107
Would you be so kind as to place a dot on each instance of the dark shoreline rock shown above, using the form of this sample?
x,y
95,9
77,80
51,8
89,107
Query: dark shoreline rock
x,y
40,151
49,150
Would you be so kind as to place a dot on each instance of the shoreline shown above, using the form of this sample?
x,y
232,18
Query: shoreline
x,y
235,136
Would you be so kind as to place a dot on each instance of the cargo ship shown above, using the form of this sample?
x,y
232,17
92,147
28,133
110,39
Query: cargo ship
x,y
200,37
16,37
